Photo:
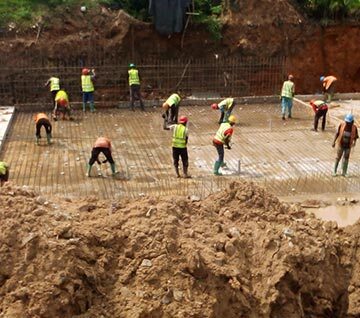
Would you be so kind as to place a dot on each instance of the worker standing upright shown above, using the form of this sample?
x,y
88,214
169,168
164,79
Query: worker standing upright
x,y
223,137
102,145
226,107
180,136
171,107
134,84
4,172
328,86
42,119
54,83
87,85
62,106
287,95
320,108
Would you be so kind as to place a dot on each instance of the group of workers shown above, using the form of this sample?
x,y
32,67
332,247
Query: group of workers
x,y
345,137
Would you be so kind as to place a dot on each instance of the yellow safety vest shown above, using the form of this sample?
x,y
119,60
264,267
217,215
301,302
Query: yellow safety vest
x,y
54,84
220,134
179,136
174,99
61,95
226,103
87,84
3,167
134,77
287,89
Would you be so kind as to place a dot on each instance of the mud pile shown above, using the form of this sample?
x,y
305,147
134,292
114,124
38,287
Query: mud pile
x,y
238,253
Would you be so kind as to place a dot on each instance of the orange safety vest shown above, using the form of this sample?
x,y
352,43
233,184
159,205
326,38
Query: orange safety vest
x,y
328,80
341,133
39,116
102,142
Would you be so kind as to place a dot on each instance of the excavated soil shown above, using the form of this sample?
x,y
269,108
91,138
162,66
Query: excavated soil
x,y
238,253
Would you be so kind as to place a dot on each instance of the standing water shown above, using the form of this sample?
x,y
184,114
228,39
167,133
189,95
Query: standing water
x,y
343,215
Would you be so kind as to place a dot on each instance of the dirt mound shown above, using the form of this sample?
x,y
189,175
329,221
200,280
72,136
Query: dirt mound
x,y
239,252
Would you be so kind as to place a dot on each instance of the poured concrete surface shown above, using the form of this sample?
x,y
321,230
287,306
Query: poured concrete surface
x,y
285,156
6,115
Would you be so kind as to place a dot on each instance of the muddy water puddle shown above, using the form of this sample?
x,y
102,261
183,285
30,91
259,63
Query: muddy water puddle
x,y
343,215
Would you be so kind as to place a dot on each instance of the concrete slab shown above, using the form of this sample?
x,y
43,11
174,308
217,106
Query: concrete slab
x,y
6,115
284,156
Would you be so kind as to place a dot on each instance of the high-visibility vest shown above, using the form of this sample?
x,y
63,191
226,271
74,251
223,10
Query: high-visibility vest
x,y
328,80
134,77
3,167
40,116
174,99
102,142
220,134
87,84
320,104
226,103
287,89
341,134
61,95
179,136
54,84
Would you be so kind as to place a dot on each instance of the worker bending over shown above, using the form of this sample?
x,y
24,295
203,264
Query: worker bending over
x,y
223,137
62,106
226,107
180,138
320,108
328,86
4,172
42,119
102,145
171,107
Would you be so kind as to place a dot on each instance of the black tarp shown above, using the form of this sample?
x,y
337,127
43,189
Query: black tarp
x,y
168,15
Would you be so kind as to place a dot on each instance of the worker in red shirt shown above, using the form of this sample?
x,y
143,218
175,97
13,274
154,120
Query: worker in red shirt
x,y
345,137
328,86
102,145
221,138
320,108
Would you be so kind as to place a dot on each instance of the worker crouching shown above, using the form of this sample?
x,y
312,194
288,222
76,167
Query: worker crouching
x,y
41,120
4,172
320,108
226,107
180,138
171,107
102,145
221,138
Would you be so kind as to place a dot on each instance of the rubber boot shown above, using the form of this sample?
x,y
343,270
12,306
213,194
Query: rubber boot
x,y
216,168
335,168
37,139
186,175
48,137
92,107
113,168
345,164
142,105
84,107
88,169
177,172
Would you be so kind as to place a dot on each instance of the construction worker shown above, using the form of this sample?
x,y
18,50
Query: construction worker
x,y
320,108
102,145
223,137
345,137
87,84
4,172
328,86
134,84
226,106
54,84
62,106
287,95
42,120
172,104
180,138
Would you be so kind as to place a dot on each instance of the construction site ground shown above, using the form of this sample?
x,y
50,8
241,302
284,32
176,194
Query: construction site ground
x,y
284,156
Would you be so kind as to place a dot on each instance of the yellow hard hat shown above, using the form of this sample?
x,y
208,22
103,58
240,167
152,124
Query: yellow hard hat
x,y
232,119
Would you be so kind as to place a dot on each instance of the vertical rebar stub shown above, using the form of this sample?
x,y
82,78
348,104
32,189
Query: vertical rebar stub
x,y
239,166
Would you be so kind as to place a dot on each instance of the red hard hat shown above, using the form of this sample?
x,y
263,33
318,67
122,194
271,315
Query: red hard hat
x,y
183,120
214,106
85,71
62,102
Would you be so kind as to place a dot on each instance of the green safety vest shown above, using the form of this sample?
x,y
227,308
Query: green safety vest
x,y
3,168
174,99
54,84
87,84
287,89
226,103
220,134
61,95
134,77
179,136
